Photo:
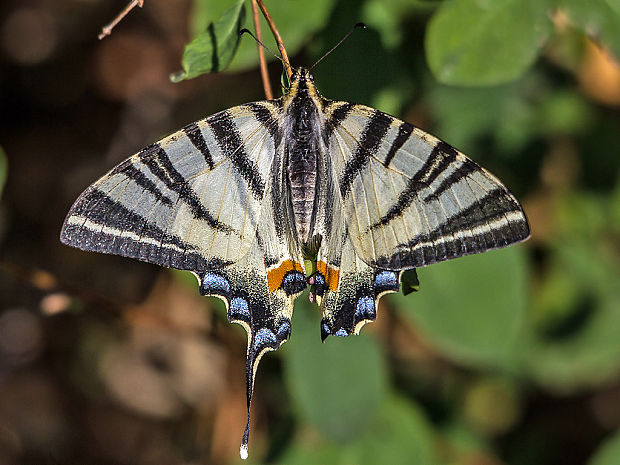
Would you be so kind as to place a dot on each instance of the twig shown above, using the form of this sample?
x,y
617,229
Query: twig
x,y
276,35
261,54
107,29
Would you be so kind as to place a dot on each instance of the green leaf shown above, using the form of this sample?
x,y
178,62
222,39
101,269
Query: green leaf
x,y
213,49
596,18
609,452
4,166
286,15
399,434
336,386
484,42
472,309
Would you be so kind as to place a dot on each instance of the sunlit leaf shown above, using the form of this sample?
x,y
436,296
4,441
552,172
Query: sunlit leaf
x,y
336,386
213,49
286,15
473,42
387,15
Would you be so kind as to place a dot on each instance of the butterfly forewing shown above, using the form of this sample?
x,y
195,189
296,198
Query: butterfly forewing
x,y
192,199
411,200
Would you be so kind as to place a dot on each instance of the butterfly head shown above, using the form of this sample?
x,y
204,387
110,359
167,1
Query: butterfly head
x,y
301,74
302,84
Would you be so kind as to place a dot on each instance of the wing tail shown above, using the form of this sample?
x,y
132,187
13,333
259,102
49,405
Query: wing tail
x,y
259,291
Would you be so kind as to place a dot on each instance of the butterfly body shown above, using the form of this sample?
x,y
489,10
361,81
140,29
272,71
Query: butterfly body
x,y
302,125
255,198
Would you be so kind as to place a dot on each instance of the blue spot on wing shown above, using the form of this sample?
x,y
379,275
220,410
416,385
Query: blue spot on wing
x,y
264,338
294,282
319,282
365,309
341,333
386,280
215,284
284,331
324,331
238,309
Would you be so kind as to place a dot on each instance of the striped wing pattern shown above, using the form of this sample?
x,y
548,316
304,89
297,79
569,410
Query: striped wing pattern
x,y
190,201
222,198
403,199
411,200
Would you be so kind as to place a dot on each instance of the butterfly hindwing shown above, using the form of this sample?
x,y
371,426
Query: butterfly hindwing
x,y
347,289
189,201
410,199
259,291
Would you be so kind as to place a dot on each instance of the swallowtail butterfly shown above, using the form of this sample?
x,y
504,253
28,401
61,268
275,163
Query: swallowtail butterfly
x,y
260,200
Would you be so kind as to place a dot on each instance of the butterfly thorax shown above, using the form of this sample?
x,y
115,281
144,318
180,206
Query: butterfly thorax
x,y
302,139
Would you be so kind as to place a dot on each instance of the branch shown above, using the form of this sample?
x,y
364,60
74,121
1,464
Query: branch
x,y
276,35
107,29
261,53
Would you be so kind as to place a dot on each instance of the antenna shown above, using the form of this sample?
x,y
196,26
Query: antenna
x,y
247,31
355,26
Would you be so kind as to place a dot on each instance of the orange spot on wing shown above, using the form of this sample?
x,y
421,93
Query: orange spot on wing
x,y
276,275
332,275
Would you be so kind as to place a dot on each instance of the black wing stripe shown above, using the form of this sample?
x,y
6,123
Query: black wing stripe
x,y
337,116
439,159
229,139
495,206
467,168
266,118
113,228
374,132
158,162
112,214
138,176
193,132
404,131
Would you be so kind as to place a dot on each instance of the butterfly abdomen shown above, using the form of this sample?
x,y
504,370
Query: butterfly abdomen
x,y
303,135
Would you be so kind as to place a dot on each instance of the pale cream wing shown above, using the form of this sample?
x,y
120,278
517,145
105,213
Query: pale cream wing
x,y
409,199
189,201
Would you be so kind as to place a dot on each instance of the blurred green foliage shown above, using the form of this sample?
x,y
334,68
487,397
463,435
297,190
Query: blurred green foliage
x,y
503,39
485,328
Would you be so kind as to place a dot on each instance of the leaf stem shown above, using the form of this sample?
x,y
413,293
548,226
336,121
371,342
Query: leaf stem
x,y
107,29
276,35
261,53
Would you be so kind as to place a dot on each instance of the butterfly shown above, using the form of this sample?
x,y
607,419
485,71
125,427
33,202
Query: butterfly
x,y
263,199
